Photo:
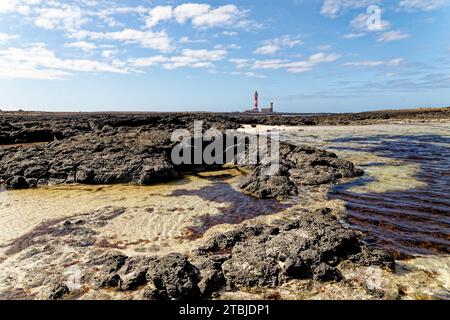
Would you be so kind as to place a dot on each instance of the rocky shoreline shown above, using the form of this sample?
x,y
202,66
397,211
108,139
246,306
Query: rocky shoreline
x,y
28,127
114,150
310,245
135,149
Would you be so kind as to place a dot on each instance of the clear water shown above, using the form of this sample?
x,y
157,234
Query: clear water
x,y
403,201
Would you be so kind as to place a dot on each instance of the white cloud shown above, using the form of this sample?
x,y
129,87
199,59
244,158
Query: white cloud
x,y
269,49
424,5
232,46
195,59
230,33
242,63
54,14
296,66
148,62
204,16
225,15
102,28
376,63
189,40
6,37
394,35
189,58
141,10
109,54
7,6
18,6
271,64
71,15
287,42
332,8
291,66
153,40
65,17
323,57
38,62
188,11
272,46
82,45
158,14
249,74
354,35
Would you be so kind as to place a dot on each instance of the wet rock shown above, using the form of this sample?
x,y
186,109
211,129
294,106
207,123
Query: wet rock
x,y
59,291
157,173
17,182
224,241
326,273
296,269
37,171
299,165
268,259
374,257
134,280
84,175
176,276
170,277
211,275
251,266
93,158
113,262
121,272
265,187
308,248
108,281
154,294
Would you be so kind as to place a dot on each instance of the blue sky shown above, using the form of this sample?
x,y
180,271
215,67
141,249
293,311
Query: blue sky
x,y
305,55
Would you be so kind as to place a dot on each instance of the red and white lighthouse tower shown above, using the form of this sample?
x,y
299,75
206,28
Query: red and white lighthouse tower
x,y
256,102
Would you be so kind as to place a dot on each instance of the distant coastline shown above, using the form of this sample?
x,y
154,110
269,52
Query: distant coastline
x,y
282,118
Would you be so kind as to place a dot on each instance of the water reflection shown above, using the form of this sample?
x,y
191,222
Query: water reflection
x,y
239,206
410,222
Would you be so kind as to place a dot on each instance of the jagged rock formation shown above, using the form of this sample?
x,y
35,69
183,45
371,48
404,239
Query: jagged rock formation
x,y
102,158
142,156
299,165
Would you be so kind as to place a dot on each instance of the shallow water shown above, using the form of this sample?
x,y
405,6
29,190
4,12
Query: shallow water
x,y
402,203
158,219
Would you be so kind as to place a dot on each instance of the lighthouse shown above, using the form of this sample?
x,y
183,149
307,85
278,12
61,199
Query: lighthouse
x,y
256,102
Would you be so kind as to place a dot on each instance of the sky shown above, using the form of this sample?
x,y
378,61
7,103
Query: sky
x,y
304,55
